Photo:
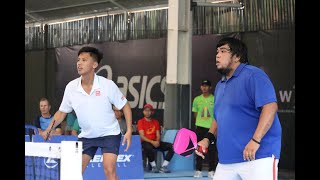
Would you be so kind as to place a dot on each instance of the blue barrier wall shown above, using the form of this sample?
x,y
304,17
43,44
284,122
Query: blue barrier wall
x,y
54,139
27,138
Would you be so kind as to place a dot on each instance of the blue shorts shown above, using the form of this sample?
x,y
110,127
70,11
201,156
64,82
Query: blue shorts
x,y
108,144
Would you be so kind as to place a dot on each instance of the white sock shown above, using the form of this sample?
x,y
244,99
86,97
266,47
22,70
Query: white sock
x,y
153,163
165,163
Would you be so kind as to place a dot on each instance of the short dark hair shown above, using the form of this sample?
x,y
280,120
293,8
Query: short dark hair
x,y
237,47
94,53
45,99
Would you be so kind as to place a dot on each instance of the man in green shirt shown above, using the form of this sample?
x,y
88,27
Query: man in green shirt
x,y
202,108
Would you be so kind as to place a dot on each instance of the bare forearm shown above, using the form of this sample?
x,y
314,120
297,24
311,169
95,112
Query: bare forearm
x,y
213,127
145,138
212,130
57,119
265,121
128,116
158,136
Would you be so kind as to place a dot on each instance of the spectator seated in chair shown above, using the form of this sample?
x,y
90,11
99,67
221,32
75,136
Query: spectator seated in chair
x,y
43,120
149,131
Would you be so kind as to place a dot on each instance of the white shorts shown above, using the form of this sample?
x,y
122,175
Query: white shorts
x,y
262,169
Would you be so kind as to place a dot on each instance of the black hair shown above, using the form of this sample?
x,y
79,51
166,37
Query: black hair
x,y
237,47
94,53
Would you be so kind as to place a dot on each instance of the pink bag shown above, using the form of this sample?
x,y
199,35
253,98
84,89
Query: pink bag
x,y
185,142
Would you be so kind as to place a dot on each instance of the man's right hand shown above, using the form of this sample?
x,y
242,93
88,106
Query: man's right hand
x,y
45,134
204,143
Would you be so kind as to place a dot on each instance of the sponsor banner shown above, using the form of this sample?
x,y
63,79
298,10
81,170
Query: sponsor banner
x,y
138,67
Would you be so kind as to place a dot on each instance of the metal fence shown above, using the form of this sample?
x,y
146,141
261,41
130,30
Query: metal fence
x,y
255,15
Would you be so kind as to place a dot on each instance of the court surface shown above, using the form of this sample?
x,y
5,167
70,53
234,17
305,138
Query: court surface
x,y
188,175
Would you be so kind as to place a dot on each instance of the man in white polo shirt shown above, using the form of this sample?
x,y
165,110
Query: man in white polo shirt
x,y
91,97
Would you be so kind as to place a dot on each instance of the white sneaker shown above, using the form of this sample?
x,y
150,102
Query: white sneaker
x,y
210,174
197,174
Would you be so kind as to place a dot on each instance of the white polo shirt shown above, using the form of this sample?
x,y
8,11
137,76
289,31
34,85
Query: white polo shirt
x,y
94,111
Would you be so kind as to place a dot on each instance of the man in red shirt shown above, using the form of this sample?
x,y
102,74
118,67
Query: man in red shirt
x,y
149,131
